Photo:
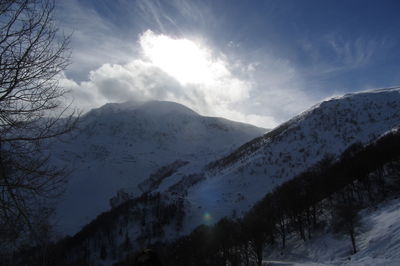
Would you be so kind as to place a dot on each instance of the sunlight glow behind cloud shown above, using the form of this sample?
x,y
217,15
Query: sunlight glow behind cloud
x,y
193,64
193,74
181,58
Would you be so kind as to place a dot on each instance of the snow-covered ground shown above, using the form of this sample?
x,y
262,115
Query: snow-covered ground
x,y
378,243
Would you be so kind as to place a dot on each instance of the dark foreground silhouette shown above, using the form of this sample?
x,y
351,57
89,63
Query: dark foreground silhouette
x,y
147,257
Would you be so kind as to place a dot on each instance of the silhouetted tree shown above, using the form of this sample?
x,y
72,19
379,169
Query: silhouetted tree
x,y
32,56
259,228
103,253
346,219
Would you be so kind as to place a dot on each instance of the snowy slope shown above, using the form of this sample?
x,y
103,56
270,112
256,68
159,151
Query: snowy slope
x,y
119,145
378,242
232,184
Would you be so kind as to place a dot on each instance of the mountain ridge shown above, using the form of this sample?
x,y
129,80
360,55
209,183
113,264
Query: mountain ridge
x,y
270,160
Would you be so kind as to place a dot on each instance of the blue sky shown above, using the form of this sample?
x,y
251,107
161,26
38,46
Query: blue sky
x,y
267,60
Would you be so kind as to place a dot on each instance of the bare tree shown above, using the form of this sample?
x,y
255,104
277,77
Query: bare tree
x,y
33,54
346,219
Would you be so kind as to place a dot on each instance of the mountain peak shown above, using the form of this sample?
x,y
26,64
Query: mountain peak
x,y
154,108
166,107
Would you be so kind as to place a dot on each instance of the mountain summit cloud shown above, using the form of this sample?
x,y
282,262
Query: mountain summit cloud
x,y
171,69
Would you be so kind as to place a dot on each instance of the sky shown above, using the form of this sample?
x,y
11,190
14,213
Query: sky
x,y
258,61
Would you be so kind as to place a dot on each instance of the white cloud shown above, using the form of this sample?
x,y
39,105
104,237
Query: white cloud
x,y
171,69
190,73
195,68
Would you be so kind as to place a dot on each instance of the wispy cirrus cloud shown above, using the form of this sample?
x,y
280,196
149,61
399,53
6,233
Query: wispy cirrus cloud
x,y
333,53
174,15
95,40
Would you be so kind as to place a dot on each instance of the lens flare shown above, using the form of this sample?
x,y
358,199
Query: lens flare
x,y
207,218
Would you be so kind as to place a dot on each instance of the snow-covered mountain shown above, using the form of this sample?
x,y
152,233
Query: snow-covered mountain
x,y
185,193
119,145
230,185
